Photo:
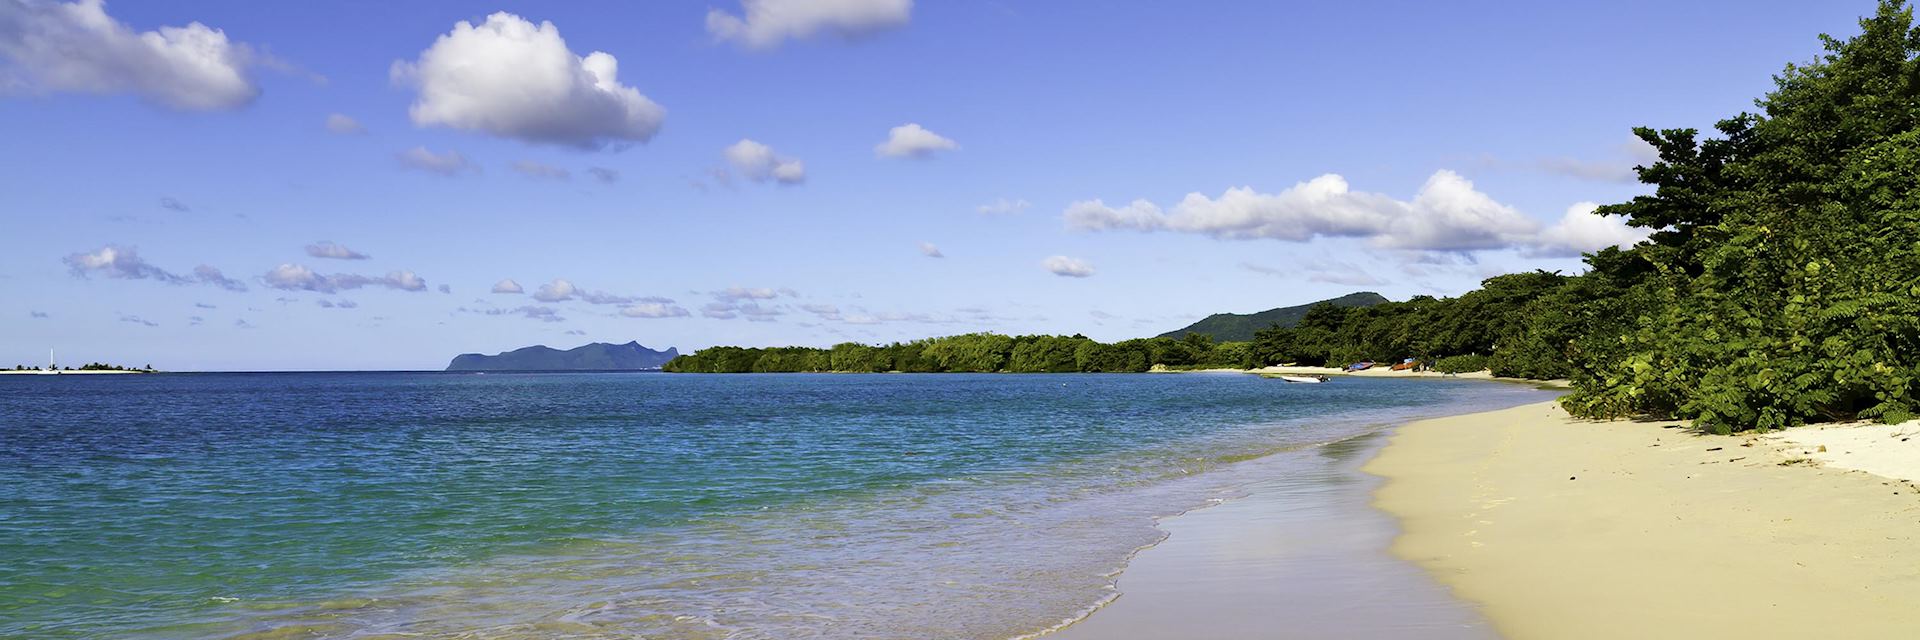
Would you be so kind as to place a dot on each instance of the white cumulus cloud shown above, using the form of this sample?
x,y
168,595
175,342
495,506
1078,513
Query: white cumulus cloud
x,y
1067,267
555,291
929,250
767,23
512,78
50,46
911,140
1447,214
507,286
1581,230
759,163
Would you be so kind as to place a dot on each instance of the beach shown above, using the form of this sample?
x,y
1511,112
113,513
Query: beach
x,y
1558,528
1537,525
1380,371
1301,555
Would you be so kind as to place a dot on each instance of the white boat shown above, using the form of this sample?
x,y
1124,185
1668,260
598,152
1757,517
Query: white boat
x,y
1304,379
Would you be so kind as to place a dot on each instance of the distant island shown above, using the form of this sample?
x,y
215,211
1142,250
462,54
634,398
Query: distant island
x,y
1239,327
598,356
91,367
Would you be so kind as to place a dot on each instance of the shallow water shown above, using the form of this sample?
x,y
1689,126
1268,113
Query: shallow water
x,y
622,505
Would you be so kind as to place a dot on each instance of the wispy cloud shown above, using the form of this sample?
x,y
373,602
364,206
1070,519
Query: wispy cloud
x,y
344,125
532,312
540,171
654,310
294,277
330,250
1003,206
114,261
929,250
562,290
450,163
209,275
764,24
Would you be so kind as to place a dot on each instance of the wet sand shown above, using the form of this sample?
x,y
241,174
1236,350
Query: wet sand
x,y
1303,555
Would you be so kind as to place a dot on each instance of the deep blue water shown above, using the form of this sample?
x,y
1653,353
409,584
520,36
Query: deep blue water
x,y
622,505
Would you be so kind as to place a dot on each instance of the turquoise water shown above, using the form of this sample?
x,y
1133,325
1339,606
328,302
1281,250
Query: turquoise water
x,y
623,505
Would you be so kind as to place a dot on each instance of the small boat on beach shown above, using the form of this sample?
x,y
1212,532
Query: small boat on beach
x,y
1304,379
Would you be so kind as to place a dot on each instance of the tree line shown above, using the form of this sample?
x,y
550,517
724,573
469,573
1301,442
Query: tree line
x,y
975,353
1486,328
1780,283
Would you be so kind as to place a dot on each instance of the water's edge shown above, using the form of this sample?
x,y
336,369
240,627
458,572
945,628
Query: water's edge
x,y
1376,437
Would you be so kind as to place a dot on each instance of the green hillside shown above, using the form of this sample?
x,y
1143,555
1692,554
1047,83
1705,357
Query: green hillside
x,y
1239,327
598,356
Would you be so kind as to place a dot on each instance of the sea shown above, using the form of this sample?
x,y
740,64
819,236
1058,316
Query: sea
x,y
633,505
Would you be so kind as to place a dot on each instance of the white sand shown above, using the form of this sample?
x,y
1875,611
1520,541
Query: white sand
x,y
1891,451
1568,529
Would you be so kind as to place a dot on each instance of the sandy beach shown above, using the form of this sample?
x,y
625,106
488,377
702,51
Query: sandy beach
x,y
1559,528
1382,371
1303,545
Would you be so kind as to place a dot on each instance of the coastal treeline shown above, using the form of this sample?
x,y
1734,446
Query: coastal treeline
x,y
1485,328
975,353
1780,283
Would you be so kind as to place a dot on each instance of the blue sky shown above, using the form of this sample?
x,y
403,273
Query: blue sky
x,y
1433,146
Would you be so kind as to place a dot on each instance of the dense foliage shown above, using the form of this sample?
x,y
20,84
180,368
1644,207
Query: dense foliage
x,y
1487,322
1461,364
1781,285
975,353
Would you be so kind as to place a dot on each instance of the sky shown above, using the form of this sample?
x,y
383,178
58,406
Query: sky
x,y
235,185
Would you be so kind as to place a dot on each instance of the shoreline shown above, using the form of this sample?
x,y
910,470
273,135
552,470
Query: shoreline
x,y
1302,536
1560,528
1213,573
